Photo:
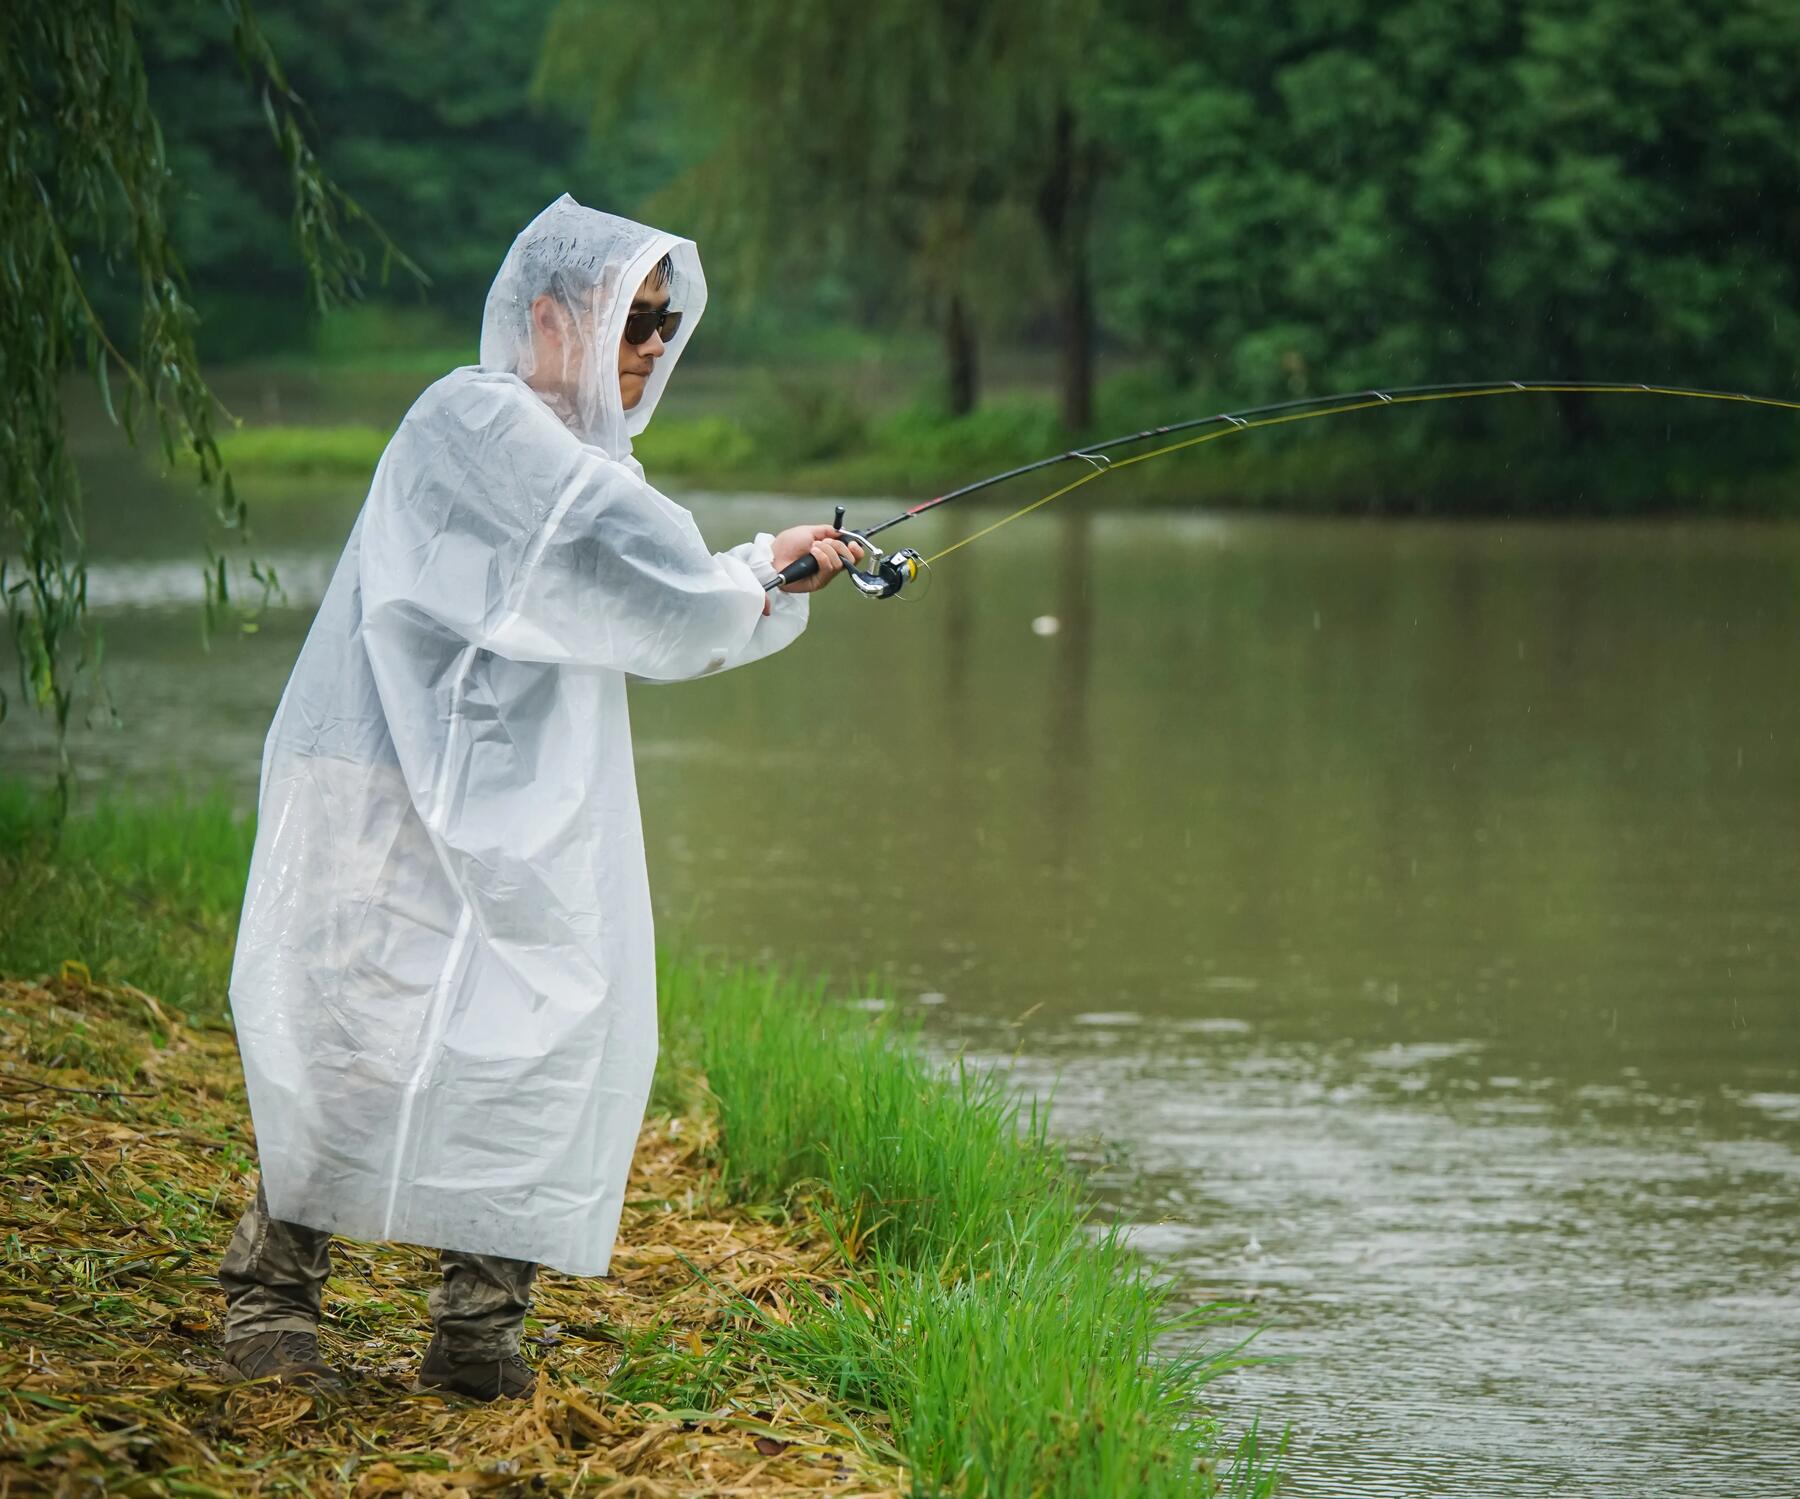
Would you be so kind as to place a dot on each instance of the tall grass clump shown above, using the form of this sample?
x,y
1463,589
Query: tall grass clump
x,y
145,892
928,1164
1015,1347
1036,1371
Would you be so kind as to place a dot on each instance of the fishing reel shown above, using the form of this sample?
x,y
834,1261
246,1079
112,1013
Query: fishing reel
x,y
892,570
884,576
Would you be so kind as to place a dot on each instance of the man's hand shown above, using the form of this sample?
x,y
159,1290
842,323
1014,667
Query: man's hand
x,y
795,542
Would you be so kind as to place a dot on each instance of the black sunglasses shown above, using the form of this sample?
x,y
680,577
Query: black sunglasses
x,y
640,325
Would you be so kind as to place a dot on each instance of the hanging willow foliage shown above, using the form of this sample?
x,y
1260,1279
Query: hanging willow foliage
x,y
83,184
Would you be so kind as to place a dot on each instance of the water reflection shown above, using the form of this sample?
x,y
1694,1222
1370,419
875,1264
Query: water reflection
x,y
1490,1283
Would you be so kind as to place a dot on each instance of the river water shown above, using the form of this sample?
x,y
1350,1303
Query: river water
x,y
1406,917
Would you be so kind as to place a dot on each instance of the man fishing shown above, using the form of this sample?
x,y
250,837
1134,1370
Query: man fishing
x,y
444,987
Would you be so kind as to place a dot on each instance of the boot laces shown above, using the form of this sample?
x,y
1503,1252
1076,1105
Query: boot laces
x,y
300,1347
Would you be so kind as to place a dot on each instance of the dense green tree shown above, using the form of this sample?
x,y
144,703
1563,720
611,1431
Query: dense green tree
x,y
1325,195
423,111
946,141
83,187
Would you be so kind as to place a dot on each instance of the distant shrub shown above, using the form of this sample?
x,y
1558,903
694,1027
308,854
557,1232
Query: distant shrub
x,y
338,452
804,420
388,333
995,435
699,445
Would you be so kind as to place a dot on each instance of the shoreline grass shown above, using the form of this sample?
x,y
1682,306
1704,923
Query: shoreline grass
x,y
811,433
911,1296
346,451
1347,474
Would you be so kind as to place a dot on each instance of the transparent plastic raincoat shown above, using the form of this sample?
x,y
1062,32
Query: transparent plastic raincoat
x,y
445,978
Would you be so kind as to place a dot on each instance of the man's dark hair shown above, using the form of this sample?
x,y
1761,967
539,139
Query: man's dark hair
x,y
551,272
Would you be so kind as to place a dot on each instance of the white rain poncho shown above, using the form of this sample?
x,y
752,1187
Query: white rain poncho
x,y
445,978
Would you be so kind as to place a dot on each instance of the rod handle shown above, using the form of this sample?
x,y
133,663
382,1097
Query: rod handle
x,y
804,567
800,567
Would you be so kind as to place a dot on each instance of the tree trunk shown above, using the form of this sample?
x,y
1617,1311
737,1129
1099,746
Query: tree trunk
x,y
961,348
1076,298
1578,423
1065,208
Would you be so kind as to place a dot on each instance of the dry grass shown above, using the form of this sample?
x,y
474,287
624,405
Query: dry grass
x,y
128,1158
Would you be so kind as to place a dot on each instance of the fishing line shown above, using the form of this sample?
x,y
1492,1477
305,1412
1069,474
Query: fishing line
x,y
1247,421
893,570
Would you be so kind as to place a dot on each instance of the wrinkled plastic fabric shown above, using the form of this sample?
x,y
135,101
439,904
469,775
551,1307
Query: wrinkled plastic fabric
x,y
444,987
584,259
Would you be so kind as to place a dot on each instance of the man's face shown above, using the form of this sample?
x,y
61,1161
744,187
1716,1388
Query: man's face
x,y
637,360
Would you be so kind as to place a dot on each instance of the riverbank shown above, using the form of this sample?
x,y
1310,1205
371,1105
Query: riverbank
x,y
859,428
840,1267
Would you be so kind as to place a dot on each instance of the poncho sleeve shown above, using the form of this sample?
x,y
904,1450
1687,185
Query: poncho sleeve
x,y
787,614
489,519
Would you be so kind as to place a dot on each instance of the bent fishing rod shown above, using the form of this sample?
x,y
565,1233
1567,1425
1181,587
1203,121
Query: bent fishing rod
x,y
889,572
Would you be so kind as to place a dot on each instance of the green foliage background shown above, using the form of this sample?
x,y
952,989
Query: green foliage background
x,y
1285,199
421,110
1360,192
1238,203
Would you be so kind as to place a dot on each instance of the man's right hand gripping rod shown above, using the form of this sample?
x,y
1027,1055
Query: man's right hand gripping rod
x,y
890,574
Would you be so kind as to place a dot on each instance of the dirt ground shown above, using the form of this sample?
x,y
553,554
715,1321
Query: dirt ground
x,y
128,1157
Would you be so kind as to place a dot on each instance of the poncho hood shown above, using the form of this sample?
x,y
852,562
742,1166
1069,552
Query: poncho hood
x,y
593,263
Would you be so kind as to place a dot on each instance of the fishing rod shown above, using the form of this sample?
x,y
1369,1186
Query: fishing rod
x,y
890,571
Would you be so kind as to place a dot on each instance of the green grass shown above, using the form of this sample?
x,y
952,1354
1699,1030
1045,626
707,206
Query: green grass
x,y
1350,472
147,892
1013,1349
349,452
812,434
1016,1346
1474,459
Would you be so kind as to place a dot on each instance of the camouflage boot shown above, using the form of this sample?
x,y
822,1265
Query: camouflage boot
x,y
272,1276
507,1377
290,1357
477,1314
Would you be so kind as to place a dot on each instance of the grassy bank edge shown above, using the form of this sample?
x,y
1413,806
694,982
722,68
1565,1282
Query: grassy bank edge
x,y
810,438
1009,1343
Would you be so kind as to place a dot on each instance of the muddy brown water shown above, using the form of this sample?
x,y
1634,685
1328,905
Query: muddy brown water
x,y
1406,918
